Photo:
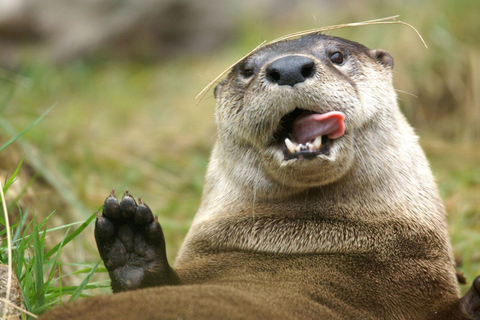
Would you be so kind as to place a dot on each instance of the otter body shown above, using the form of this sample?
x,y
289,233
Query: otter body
x,y
318,204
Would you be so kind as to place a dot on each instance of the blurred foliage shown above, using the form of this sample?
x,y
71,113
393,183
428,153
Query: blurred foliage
x,y
135,124
31,255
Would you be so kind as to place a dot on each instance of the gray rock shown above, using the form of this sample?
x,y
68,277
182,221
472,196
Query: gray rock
x,y
15,295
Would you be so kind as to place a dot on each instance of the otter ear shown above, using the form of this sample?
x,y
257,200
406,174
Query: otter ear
x,y
383,57
218,88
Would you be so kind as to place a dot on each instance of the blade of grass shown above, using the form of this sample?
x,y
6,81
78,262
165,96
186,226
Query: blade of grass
x,y
77,272
7,99
25,242
70,237
21,225
9,252
60,283
9,182
49,173
65,226
38,263
25,279
20,254
24,190
14,78
18,135
54,264
44,222
84,283
55,259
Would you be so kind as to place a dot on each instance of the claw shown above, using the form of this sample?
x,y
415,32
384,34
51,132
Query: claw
x,y
143,215
128,205
111,207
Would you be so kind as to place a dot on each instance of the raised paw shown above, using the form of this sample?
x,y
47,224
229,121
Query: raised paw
x,y
131,243
470,303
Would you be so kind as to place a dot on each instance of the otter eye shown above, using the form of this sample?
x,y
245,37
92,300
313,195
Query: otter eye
x,y
337,58
247,73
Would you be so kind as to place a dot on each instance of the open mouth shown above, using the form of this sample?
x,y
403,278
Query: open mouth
x,y
304,134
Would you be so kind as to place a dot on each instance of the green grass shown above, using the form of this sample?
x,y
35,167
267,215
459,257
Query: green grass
x,y
457,170
132,124
35,261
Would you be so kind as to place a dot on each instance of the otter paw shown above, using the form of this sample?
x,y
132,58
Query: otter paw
x,y
131,243
470,303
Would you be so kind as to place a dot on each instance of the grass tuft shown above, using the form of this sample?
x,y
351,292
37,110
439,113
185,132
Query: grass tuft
x,y
29,255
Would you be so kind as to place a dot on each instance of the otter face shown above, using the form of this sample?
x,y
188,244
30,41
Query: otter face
x,y
294,107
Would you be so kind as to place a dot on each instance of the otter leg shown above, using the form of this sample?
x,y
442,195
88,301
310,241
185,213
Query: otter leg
x,y
131,243
470,303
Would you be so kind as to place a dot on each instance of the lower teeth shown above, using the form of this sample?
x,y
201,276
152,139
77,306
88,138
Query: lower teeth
x,y
294,147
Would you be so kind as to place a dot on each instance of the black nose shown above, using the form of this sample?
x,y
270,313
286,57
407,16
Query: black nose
x,y
290,70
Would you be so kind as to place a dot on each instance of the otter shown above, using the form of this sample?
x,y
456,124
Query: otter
x,y
318,203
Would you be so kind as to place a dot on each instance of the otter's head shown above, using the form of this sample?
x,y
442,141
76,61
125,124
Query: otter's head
x,y
288,113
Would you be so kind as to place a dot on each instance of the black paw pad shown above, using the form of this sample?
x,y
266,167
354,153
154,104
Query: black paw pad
x,y
131,244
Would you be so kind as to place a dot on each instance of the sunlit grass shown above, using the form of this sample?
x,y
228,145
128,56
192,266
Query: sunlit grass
x,y
30,254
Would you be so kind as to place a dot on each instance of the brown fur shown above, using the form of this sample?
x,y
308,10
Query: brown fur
x,y
357,234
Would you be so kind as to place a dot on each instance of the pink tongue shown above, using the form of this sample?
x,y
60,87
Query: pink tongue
x,y
308,126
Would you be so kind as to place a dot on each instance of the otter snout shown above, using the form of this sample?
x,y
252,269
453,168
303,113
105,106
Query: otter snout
x,y
290,70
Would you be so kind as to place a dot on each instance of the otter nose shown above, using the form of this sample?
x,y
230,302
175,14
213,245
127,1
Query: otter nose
x,y
290,70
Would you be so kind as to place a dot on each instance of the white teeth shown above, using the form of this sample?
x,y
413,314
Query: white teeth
x,y
317,143
294,147
290,146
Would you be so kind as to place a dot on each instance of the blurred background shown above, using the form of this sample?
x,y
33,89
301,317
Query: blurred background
x,y
122,76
